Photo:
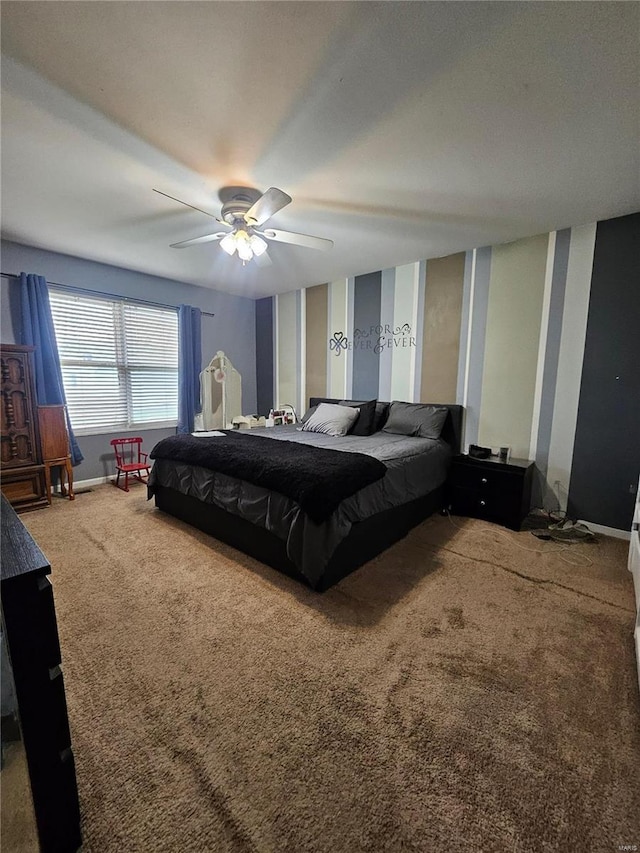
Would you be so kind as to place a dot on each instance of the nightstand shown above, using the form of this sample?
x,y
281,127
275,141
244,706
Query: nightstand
x,y
490,489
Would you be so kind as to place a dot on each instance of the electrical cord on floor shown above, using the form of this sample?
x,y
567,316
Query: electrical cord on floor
x,y
559,551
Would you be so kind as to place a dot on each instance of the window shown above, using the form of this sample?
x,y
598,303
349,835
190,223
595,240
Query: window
x,y
119,362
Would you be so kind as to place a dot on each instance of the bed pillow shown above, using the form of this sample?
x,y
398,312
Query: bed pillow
x,y
364,422
416,419
331,419
308,414
381,415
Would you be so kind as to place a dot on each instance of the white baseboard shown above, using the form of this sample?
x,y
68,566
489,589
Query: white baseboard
x,y
607,531
86,484
96,481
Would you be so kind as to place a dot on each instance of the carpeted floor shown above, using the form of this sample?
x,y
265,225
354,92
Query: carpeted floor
x,y
458,693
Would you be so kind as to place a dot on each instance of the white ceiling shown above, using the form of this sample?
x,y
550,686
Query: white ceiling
x,y
403,131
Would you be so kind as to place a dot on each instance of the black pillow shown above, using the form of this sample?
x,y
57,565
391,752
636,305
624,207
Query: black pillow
x,y
416,419
381,415
364,423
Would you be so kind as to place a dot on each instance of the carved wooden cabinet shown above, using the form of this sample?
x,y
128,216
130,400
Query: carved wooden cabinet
x,y
22,471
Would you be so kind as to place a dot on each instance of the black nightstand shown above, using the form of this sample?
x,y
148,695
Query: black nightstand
x,y
490,489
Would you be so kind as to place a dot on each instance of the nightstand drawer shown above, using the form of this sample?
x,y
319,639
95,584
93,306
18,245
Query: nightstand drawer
x,y
491,479
502,508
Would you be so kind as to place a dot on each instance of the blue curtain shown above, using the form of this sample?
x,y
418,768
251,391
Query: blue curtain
x,y
189,366
38,331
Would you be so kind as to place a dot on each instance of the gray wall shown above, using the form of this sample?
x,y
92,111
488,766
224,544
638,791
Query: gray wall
x,y
233,328
606,456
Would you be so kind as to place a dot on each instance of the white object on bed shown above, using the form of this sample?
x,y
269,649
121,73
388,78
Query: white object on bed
x,y
207,433
220,393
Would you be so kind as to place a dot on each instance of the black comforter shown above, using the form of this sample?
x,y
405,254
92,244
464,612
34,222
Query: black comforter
x,y
316,478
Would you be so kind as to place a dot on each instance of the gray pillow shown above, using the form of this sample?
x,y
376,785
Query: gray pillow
x,y
331,419
416,419
308,414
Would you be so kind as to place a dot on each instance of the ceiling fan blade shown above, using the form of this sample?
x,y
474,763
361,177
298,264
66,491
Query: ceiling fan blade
x,y
298,239
269,203
186,204
206,238
262,260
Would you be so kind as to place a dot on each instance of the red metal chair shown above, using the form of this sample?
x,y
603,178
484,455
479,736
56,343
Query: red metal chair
x,y
129,460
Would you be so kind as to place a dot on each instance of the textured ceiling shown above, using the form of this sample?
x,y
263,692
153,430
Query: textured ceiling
x,y
402,130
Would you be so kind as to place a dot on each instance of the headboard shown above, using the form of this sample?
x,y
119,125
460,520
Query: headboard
x,y
451,431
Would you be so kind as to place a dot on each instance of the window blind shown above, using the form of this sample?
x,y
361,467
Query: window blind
x,y
119,362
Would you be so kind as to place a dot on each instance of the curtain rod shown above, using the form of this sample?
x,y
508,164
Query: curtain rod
x,y
103,293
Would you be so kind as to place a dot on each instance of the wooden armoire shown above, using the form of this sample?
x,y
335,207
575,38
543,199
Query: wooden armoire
x,y
22,474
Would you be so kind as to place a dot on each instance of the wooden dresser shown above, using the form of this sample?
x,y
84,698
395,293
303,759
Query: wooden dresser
x,y
22,471
30,631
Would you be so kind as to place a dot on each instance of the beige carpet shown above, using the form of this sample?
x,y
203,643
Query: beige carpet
x,y
455,694
18,833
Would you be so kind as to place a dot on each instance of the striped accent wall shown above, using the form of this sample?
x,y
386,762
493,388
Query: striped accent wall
x,y
376,335
499,329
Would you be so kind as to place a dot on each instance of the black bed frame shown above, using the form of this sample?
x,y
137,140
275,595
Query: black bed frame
x,y
366,540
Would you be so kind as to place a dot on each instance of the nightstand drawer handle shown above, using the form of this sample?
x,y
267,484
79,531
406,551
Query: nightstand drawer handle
x,y
483,480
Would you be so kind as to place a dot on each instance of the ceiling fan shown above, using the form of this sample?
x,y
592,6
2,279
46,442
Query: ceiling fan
x,y
244,211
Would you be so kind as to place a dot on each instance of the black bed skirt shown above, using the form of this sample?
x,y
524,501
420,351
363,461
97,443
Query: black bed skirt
x,y
367,538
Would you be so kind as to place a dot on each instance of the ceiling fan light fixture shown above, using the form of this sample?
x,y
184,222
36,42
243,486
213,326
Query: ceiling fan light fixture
x,y
243,244
228,243
258,245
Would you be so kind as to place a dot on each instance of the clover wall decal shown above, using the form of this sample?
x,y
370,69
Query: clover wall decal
x,y
338,342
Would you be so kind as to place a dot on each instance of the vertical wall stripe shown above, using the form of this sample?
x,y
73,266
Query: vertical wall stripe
x,y
413,350
366,318
337,363
441,340
478,307
288,347
570,357
386,320
348,383
552,356
542,345
404,308
301,328
317,342
418,332
276,358
264,354
330,330
511,349
464,330
606,452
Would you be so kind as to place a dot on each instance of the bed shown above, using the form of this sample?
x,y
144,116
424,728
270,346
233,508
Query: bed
x,y
316,541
